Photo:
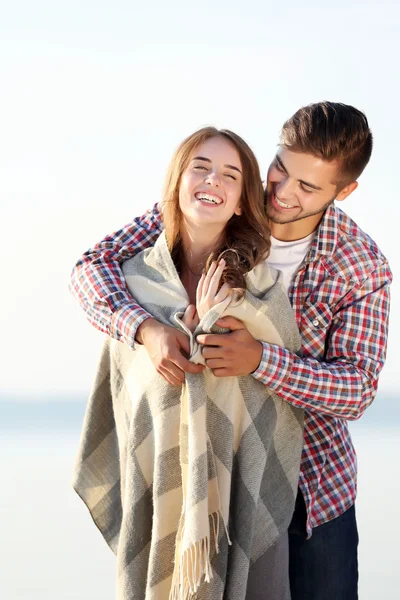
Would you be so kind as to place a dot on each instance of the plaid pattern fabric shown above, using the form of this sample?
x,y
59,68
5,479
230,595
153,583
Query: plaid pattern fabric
x,y
341,300
159,465
340,296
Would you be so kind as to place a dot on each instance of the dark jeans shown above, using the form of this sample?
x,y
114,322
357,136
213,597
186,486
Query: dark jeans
x,y
325,566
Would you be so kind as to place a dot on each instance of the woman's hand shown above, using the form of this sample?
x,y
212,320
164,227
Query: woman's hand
x,y
207,295
191,318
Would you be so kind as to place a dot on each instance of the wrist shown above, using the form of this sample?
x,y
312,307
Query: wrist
x,y
258,352
143,330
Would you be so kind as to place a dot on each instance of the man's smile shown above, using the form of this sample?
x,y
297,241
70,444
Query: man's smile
x,y
279,203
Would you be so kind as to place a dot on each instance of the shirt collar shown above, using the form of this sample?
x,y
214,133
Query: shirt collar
x,y
326,236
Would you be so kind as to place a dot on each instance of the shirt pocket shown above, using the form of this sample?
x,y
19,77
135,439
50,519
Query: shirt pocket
x,y
315,322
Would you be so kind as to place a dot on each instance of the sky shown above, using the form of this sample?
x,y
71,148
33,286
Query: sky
x,y
95,96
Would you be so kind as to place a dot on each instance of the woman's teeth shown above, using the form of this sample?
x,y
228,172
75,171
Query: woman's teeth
x,y
209,198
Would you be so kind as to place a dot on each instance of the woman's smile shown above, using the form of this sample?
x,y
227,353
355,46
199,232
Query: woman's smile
x,y
209,198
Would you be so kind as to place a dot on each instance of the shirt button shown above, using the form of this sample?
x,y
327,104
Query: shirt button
x,y
315,323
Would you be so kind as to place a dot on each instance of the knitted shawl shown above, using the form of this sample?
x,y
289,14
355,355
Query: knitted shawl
x,y
189,486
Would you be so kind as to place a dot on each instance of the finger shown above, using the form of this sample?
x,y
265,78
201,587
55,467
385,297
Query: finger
x,y
222,372
185,365
190,311
214,339
208,277
199,290
182,342
216,363
223,293
196,319
230,323
212,352
188,315
215,279
172,376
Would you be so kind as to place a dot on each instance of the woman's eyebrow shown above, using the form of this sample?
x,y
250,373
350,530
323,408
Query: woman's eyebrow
x,y
234,168
209,161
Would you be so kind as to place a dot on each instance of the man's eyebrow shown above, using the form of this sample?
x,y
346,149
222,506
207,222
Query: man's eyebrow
x,y
282,166
208,160
311,185
280,163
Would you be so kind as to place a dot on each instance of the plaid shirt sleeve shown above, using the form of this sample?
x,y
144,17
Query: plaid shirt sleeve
x,y
99,286
344,383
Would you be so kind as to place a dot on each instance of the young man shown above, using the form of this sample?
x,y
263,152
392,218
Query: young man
x,y
338,283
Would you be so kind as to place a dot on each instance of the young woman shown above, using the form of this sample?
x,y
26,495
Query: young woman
x,y
193,488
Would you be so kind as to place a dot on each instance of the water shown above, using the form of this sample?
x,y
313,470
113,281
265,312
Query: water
x,y
51,549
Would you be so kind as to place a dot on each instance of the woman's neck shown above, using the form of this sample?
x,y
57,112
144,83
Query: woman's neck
x,y
197,245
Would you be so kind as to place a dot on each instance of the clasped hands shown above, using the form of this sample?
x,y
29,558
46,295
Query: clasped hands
x,y
230,354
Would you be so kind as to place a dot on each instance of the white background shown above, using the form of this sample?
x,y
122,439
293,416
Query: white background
x,y
94,98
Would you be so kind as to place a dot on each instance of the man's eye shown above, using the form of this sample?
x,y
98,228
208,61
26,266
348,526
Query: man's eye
x,y
278,167
305,189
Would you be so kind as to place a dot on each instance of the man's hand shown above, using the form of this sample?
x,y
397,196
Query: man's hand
x,y
231,354
165,346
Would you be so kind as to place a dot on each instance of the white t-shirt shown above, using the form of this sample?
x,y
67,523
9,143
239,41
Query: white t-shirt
x,y
288,256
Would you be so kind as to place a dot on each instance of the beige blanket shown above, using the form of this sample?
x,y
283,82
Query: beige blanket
x,y
189,485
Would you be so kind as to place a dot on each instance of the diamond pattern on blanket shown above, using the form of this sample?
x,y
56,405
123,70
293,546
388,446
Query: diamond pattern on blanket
x,y
136,530
168,475
162,563
220,429
222,455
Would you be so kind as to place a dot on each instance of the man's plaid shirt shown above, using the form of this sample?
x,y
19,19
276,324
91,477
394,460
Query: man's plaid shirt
x,y
340,296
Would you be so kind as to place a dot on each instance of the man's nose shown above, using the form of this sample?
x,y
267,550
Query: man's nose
x,y
285,188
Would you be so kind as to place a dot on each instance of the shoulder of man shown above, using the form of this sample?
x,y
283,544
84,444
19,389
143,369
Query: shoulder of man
x,y
355,256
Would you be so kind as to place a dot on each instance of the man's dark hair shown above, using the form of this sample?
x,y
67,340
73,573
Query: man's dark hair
x,y
331,131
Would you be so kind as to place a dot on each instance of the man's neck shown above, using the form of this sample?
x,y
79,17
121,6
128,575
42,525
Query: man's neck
x,y
296,230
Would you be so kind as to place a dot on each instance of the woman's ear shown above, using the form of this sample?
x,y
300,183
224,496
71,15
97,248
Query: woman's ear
x,y
238,210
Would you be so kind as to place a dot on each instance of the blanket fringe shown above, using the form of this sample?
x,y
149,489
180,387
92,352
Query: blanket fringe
x,y
194,565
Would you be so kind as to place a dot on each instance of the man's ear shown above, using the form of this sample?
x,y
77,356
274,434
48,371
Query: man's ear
x,y
346,191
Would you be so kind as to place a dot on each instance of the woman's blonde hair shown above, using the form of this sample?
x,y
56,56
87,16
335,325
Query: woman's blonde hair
x,y
246,239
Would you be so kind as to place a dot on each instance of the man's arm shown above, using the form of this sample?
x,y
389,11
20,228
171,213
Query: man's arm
x,y
99,286
343,384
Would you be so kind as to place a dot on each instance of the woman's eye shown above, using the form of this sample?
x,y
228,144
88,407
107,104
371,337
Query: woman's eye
x,y
231,176
278,167
200,167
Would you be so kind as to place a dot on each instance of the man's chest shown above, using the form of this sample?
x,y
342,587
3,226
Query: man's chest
x,y
315,294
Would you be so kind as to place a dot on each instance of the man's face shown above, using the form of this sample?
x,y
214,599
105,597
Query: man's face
x,y
300,187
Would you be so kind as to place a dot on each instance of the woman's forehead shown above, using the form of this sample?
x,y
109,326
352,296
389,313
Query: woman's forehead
x,y
217,149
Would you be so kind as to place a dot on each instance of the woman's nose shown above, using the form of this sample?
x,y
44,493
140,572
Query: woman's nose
x,y
212,178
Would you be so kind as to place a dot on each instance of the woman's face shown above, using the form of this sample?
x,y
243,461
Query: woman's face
x,y
211,185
